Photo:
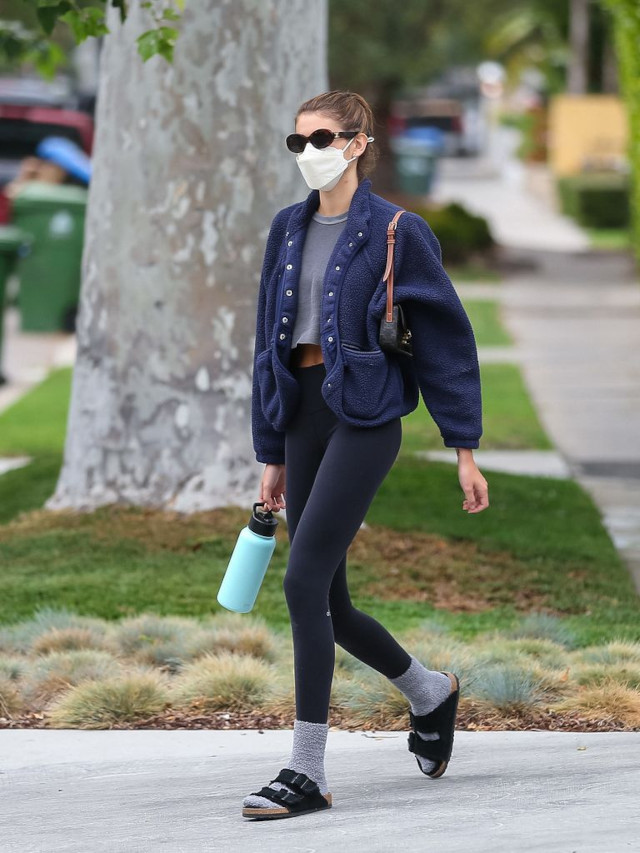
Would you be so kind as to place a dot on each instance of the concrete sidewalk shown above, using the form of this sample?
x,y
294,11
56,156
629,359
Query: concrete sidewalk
x,y
181,791
28,357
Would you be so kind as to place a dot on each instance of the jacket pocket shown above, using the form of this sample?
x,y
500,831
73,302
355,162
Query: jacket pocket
x,y
372,384
279,390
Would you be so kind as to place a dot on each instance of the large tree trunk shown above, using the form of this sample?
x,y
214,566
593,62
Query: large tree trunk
x,y
579,44
189,168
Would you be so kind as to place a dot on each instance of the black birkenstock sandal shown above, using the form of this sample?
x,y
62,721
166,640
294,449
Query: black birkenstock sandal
x,y
442,720
305,797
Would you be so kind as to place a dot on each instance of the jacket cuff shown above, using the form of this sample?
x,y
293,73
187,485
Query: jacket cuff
x,y
270,458
473,443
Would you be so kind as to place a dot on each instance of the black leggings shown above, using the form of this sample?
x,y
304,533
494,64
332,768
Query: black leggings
x,y
333,471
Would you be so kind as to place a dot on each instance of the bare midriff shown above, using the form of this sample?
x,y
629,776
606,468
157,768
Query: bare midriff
x,y
306,355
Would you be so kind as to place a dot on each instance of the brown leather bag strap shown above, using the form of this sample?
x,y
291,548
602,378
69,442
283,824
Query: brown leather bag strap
x,y
388,273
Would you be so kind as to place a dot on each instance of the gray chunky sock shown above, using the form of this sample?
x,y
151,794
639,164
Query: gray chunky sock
x,y
307,756
425,689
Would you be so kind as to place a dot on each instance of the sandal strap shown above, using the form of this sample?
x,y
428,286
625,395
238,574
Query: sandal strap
x,y
280,797
440,721
298,781
435,750
304,796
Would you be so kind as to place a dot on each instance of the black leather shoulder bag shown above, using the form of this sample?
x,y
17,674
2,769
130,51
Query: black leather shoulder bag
x,y
395,336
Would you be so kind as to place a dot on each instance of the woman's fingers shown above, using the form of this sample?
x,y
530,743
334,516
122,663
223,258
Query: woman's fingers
x,y
476,494
272,489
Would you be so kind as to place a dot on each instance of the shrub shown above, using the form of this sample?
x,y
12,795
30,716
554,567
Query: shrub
x,y
460,233
596,200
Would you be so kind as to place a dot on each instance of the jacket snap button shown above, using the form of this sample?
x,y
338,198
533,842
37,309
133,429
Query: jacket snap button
x,y
282,336
330,340
285,319
329,320
350,245
290,243
331,293
359,233
337,268
289,292
289,266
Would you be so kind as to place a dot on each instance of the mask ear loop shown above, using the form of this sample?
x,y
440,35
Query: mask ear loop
x,y
369,139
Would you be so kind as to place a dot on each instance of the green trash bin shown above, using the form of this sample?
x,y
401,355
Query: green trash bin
x,y
415,165
12,242
49,274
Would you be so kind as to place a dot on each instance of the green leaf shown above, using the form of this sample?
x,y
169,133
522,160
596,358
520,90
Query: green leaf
x,y
148,44
47,18
159,42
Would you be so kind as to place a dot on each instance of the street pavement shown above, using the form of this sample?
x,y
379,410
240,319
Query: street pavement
x,y
66,791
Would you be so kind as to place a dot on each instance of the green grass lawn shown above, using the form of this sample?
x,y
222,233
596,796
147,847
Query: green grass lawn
x,y
485,319
472,272
540,545
509,419
609,238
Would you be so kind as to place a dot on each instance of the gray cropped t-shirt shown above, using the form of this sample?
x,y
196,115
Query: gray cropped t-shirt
x,y
321,237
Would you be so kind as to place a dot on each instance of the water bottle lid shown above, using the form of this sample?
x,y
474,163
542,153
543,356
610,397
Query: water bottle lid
x,y
263,524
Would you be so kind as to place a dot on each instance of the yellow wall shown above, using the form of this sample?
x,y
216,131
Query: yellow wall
x,y
586,128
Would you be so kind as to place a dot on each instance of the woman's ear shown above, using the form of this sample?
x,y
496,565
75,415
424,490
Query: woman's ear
x,y
361,143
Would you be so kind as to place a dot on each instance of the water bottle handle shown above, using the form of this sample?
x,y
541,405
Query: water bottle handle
x,y
268,512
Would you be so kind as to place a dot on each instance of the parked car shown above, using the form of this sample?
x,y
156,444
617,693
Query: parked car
x,y
27,117
458,121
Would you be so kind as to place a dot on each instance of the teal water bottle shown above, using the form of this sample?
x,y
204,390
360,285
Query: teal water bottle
x,y
249,560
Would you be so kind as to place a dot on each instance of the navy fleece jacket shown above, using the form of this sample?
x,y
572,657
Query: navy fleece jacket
x,y
363,385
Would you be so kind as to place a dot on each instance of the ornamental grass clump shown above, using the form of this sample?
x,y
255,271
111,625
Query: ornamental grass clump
x,y
13,667
67,639
11,700
157,640
511,688
543,626
23,636
446,656
371,701
224,681
524,651
52,674
598,674
113,701
608,701
239,633
616,651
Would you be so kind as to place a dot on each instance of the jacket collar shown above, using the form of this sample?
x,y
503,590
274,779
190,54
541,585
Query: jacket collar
x,y
357,218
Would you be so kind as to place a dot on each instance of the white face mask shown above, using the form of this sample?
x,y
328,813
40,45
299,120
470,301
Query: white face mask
x,y
322,168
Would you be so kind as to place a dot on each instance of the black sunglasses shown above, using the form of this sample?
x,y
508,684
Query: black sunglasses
x,y
321,138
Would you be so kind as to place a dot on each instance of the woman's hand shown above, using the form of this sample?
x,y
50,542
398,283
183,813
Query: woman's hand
x,y
272,487
474,485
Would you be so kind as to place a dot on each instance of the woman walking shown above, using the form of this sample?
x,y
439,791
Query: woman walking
x,y
326,421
